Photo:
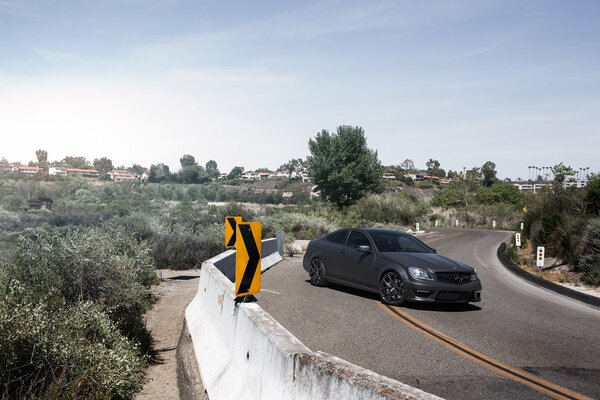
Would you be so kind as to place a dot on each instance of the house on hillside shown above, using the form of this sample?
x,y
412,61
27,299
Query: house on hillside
x,y
119,175
82,173
57,171
7,168
28,170
40,203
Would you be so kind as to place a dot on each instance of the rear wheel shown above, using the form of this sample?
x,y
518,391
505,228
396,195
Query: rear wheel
x,y
316,272
391,289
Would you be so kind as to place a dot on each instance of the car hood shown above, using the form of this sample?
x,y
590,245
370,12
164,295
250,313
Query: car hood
x,y
432,261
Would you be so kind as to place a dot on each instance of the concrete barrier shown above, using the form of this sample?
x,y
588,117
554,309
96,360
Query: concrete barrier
x,y
243,352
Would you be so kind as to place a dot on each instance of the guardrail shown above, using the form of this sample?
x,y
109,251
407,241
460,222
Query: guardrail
x,y
242,351
563,290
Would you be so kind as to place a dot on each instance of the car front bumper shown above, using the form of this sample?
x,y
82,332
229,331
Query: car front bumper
x,y
443,292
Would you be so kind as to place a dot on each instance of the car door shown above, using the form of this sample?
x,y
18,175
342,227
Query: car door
x,y
359,266
333,252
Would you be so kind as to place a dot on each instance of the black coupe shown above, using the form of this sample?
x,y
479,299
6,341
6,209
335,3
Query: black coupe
x,y
394,264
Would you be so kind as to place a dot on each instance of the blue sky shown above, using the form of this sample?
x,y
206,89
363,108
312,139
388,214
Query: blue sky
x,y
249,83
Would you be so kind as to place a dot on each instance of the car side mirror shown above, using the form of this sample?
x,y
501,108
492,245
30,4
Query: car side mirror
x,y
364,249
434,250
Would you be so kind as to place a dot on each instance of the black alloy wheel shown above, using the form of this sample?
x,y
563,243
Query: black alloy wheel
x,y
391,289
316,272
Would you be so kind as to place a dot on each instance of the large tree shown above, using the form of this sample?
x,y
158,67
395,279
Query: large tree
x,y
103,165
41,155
212,169
159,173
433,168
408,165
341,165
76,162
562,172
488,170
187,161
236,172
293,167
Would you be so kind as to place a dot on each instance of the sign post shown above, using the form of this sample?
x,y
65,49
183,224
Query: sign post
x,y
247,258
518,239
230,231
540,257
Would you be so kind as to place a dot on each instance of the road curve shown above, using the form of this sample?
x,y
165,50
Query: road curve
x,y
548,339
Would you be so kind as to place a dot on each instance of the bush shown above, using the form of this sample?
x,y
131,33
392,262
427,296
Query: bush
x,y
185,251
589,261
296,225
78,265
389,208
62,352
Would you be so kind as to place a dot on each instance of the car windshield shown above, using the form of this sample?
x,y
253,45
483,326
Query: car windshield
x,y
397,242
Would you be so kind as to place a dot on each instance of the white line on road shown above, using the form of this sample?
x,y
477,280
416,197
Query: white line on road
x,y
269,291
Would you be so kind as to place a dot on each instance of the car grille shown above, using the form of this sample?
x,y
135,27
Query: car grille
x,y
446,295
454,277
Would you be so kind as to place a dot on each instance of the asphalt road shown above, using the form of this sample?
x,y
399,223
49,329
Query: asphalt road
x,y
516,325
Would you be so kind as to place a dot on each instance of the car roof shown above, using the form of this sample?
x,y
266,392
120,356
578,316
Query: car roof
x,y
372,230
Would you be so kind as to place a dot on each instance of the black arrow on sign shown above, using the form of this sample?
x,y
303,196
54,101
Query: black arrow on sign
x,y
253,257
232,223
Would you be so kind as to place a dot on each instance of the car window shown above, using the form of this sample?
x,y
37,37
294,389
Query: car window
x,y
397,242
338,237
357,239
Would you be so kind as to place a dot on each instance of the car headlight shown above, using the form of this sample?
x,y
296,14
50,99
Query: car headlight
x,y
420,273
474,276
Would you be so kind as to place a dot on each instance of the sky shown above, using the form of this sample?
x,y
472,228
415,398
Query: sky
x,y
248,83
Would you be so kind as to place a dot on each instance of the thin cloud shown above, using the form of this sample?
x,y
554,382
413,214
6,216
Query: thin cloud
x,y
18,8
56,55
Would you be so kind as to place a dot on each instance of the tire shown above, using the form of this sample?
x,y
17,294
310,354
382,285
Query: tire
x,y
391,289
316,274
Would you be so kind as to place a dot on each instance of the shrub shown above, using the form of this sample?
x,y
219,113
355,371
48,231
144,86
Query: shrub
x,y
78,265
71,352
185,251
589,261
296,225
389,208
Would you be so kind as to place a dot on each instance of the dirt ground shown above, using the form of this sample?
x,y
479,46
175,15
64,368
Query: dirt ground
x,y
175,375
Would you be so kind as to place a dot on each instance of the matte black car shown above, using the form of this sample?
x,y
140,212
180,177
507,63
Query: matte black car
x,y
394,264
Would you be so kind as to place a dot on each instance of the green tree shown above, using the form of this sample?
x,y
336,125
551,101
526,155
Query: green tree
x,y
159,173
408,165
76,162
192,174
236,172
42,156
589,262
137,169
295,165
433,168
342,167
212,169
592,196
187,161
103,166
562,172
500,193
488,170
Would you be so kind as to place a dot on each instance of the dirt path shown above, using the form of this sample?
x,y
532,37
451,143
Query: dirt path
x,y
166,323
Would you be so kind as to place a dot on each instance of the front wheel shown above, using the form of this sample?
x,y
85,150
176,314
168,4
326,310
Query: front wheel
x,y
316,272
391,289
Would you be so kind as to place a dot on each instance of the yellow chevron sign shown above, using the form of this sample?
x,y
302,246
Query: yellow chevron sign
x,y
247,258
230,230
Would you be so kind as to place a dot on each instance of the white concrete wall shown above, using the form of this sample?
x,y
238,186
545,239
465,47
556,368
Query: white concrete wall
x,y
242,352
